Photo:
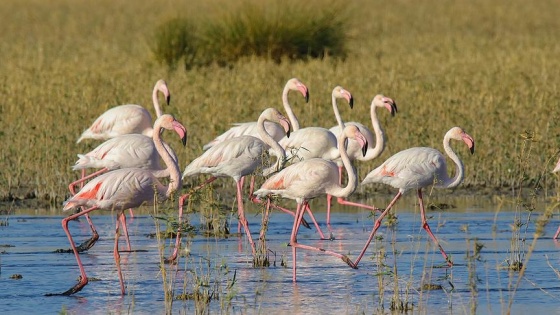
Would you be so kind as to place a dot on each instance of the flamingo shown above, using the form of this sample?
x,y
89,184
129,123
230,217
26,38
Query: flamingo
x,y
354,150
236,158
273,129
312,178
125,151
126,119
316,142
416,168
556,169
124,189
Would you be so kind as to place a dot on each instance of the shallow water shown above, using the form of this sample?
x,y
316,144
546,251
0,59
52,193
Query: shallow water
x,y
325,284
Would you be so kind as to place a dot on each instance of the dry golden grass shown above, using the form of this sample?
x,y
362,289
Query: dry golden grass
x,y
491,67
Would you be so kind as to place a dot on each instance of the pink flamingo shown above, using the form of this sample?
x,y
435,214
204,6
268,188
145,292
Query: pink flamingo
x,y
312,178
556,169
416,168
236,158
273,129
126,119
316,142
124,189
125,151
354,150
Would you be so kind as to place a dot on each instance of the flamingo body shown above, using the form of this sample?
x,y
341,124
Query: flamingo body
x,y
273,129
126,119
310,142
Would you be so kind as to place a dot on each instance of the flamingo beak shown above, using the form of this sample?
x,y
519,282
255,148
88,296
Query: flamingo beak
x,y
304,91
390,105
168,98
469,141
362,141
364,148
284,122
181,131
349,98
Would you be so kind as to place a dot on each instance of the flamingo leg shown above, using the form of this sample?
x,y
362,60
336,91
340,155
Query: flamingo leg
x,y
290,212
122,219
315,222
428,230
116,253
241,214
83,280
181,203
557,233
293,242
242,181
376,226
85,178
329,197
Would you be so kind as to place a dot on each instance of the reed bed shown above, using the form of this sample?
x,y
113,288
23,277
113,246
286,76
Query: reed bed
x,y
491,67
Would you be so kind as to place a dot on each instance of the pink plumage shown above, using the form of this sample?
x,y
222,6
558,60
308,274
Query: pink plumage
x,y
123,189
273,129
416,168
126,119
312,178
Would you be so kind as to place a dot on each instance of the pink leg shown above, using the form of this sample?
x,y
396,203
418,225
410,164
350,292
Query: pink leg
x,y
342,201
239,222
557,233
116,253
131,213
83,280
293,242
241,214
376,226
122,218
314,222
329,197
181,203
85,178
290,212
427,228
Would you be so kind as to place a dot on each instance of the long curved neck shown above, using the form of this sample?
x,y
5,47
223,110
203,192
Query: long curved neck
x,y
277,148
352,176
175,180
291,116
459,169
379,136
156,101
337,114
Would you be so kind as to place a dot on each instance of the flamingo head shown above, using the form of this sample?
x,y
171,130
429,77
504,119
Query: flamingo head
x,y
457,133
168,122
296,85
340,92
162,87
387,102
272,114
351,131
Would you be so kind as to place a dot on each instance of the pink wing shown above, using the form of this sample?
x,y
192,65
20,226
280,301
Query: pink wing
x,y
123,119
248,129
410,168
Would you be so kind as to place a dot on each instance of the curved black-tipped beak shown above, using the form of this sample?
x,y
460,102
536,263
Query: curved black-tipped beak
x,y
288,133
351,102
184,140
307,97
393,109
364,149
168,99
472,148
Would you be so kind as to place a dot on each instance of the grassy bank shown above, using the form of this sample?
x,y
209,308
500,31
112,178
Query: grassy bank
x,y
491,67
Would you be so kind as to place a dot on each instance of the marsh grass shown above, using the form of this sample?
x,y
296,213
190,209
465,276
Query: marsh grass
x,y
489,67
272,29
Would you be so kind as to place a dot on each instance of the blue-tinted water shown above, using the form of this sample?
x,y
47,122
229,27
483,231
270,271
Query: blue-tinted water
x,y
325,284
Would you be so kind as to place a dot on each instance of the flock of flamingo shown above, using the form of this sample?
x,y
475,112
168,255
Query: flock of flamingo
x,y
310,162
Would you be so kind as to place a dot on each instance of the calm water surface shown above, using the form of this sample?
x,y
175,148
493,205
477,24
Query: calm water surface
x,y
325,284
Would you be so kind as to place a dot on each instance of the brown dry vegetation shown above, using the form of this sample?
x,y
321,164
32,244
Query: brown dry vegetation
x,y
491,67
